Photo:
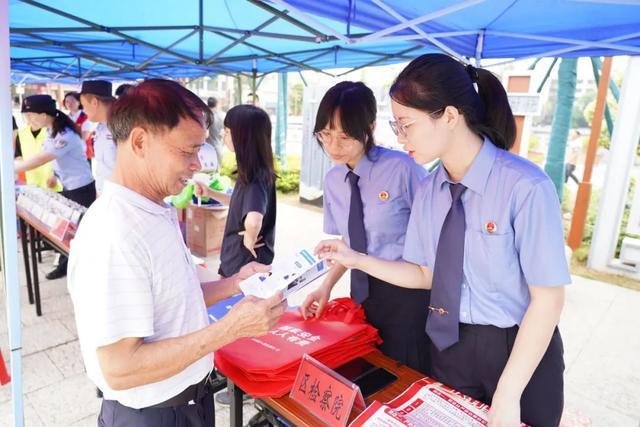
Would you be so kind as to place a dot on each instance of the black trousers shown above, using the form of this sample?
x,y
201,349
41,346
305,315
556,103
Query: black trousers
x,y
473,366
84,196
199,414
400,315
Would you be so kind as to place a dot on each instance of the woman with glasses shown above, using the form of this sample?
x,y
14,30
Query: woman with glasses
x,y
367,200
486,237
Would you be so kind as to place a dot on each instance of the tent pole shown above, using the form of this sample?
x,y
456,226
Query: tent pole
x,y
546,76
281,120
9,229
254,86
554,165
201,32
595,65
581,208
622,154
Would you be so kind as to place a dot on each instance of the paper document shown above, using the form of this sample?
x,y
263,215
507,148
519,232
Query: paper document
x,y
288,275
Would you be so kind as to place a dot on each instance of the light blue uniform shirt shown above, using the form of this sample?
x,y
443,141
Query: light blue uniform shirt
x,y
526,248
388,182
70,166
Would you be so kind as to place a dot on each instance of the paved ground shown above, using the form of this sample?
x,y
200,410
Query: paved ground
x,y
600,329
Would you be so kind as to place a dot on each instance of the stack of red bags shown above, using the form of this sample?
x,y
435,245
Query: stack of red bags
x,y
267,366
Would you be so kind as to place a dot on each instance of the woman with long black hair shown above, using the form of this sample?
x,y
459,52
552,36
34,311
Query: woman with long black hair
x,y
367,200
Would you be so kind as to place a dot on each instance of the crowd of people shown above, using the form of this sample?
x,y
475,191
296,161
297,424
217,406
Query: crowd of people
x,y
461,270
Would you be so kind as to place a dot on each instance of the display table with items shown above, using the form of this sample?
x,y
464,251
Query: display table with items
x,y
44,216
274,370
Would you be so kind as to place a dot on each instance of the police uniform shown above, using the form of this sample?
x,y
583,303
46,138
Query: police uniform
x,y
513,239
104,149
388,180
70,166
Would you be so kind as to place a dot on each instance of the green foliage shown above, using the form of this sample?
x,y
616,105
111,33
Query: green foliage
x,y
288,180
534,142
589,110
295,99
229,166
582,253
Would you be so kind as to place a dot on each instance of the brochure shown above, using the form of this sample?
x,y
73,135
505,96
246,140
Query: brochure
x,y
288,275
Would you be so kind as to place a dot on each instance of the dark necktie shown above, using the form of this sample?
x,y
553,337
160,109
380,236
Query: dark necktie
x,y
444,311
358,239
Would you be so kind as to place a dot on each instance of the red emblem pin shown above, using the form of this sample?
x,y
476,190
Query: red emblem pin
x,y
491,227
383,195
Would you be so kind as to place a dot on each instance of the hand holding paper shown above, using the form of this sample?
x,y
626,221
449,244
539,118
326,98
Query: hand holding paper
x,y
287,275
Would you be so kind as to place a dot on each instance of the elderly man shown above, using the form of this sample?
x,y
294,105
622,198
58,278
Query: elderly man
x,y
140,308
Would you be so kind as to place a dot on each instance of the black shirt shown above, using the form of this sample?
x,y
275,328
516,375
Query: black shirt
x,y
260,197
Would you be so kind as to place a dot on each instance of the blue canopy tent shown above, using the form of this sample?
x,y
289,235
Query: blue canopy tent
x,y
129,40
66,40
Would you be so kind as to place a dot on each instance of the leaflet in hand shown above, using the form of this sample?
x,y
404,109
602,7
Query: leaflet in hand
x,y
288,275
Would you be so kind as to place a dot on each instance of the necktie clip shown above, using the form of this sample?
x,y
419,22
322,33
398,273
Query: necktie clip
x,y
441,311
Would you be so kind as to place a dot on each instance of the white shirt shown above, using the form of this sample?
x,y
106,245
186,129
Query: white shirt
x,y
104,148
131,275
87,125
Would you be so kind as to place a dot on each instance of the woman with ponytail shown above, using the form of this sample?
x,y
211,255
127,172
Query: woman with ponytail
x,y
485,235
367,200
64,148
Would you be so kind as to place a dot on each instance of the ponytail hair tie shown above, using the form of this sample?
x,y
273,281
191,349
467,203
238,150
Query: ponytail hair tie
x,y
473,73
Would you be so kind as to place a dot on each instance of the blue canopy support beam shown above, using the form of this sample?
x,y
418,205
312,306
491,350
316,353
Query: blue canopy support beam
x,y
310,20
547,74
372,53
85,53
286,17
277,57
101,29
241,39
172,45
382,59
319,55
388,9
64,70
117,33
53,71
419,20
580,43
566,50
267,34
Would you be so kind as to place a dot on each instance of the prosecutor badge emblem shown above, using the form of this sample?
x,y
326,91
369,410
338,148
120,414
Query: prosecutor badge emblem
x,y
490,227
383,196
